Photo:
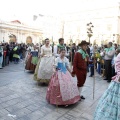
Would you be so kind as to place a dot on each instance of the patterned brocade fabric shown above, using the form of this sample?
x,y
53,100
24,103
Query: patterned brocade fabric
x,y
62,90
109,105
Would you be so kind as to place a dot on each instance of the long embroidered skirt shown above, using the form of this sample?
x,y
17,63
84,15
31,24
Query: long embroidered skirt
x,y
45,69
108,107
62,90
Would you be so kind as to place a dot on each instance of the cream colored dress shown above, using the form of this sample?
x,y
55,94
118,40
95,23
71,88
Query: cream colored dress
x,y
45,68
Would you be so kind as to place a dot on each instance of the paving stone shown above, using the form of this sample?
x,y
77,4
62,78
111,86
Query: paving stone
x,y
2,95
1,107
33,107
26,103
75,112
70,117
36,115
10,102
62,110
6,98
82,118
21,113
14,108
53,116
63,118
46,110
87,116
3,113
14,96
7,118
4,105
24,118
20,105
21,95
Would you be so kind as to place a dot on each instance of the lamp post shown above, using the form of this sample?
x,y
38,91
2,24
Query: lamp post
x,y
90,34
89,30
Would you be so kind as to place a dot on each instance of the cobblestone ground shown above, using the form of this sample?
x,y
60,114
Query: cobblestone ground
x,y
24,98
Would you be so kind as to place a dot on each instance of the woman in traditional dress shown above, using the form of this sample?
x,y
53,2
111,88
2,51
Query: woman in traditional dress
x,y
34,54
62,90
32,59
108,107
44,69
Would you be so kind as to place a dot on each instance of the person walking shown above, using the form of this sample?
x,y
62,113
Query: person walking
x,y
44,67
80,66
62,90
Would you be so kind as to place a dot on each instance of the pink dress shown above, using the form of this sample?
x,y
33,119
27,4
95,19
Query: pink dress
x,y
62,90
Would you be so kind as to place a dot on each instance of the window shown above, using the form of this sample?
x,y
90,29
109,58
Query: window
x,y
109,27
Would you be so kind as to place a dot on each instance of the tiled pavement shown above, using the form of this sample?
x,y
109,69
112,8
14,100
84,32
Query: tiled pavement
x,y
23,97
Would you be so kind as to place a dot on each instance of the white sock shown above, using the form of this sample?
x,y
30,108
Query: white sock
x,y
80,90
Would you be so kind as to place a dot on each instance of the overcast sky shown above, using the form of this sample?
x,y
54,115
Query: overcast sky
x,y
24,9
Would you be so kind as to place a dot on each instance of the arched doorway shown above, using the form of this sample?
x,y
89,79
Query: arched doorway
x,y
29,40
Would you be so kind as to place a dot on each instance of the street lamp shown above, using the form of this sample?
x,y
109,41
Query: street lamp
x,y
89,30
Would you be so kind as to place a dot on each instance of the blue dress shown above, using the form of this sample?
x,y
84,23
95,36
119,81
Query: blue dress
x,y
108,107
62,67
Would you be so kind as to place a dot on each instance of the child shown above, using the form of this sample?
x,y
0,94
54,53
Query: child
x,y
62,90
34,60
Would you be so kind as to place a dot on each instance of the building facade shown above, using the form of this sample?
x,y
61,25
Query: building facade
x,y
104,17
20,31
52,27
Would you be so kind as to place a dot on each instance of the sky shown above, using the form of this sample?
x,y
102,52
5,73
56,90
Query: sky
x,y
25,9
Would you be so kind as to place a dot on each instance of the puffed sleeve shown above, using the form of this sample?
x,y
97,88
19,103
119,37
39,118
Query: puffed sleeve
x,y
56,62
42,50
67,63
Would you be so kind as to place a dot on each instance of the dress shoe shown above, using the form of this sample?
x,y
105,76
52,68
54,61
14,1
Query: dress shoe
x,y
105,79
90,76
82,97
109,81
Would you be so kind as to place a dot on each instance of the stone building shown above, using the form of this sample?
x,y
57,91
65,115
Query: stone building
x,y
20,31
105,18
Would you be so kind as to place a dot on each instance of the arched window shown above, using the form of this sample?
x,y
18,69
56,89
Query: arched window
x,y
29,40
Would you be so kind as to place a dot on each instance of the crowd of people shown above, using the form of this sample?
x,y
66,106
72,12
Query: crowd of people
x,y
51,65
11,53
